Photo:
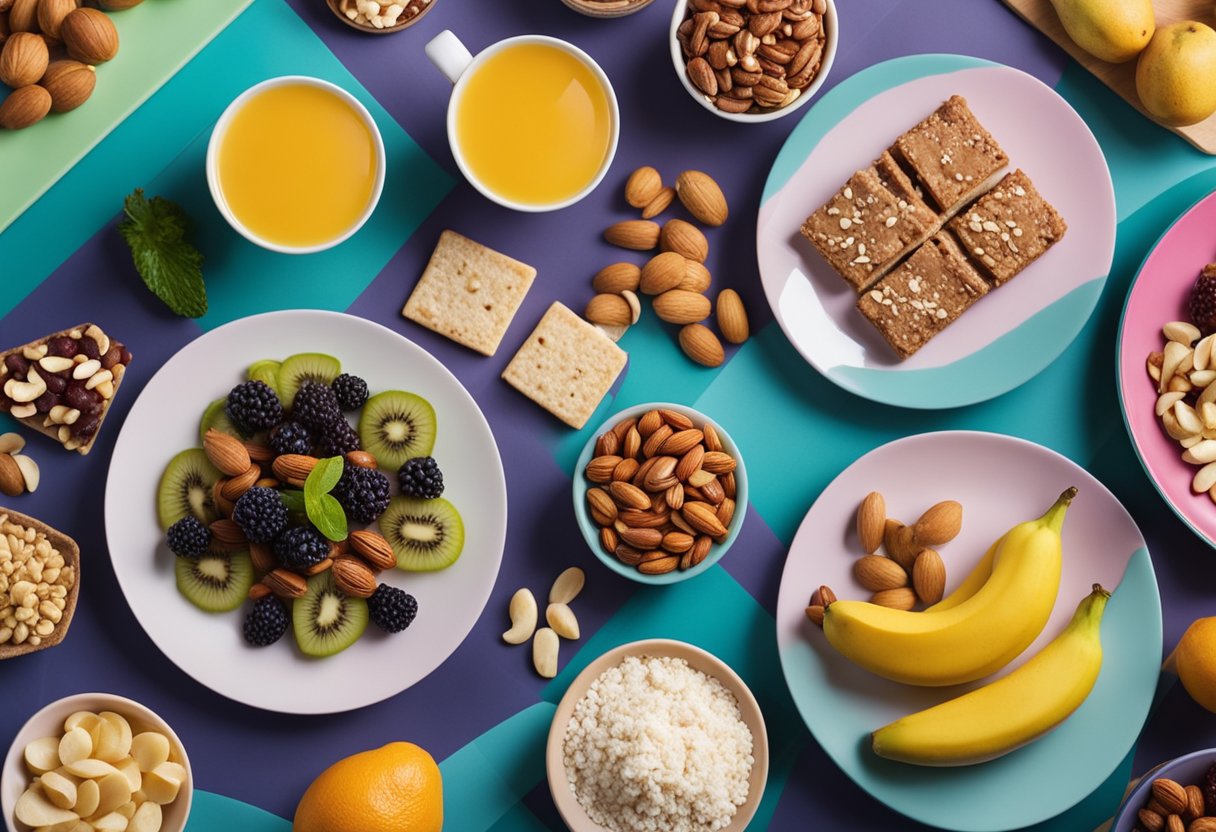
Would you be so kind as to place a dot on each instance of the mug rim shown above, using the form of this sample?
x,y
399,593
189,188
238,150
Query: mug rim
x,y
462,83
221,128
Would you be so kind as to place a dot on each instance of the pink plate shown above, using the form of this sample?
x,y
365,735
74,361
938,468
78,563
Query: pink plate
x,y
1159,295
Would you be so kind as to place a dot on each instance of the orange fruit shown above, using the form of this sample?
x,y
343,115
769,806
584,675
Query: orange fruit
x,y
397,787
1194,661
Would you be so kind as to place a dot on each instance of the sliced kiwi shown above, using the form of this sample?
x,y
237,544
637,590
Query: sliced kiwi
x,y
396,426
302,367
215,582
325,619
185,488
426,535
216,417
266,370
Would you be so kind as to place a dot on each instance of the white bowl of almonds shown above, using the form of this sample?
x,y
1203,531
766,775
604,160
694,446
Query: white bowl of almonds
x,y
753,60
98,761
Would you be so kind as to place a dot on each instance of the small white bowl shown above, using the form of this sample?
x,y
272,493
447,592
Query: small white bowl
x,y
221,127
48,722
831,25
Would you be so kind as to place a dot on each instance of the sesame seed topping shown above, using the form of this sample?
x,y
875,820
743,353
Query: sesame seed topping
x,y
989,225
876,296
845,222
891,221
847,192
942,313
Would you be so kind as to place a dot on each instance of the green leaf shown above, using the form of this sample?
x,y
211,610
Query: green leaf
x,y
155,232
294,500
329,519
323,510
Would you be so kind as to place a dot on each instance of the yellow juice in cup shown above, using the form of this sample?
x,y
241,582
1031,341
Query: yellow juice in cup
x,y
297,165
534,124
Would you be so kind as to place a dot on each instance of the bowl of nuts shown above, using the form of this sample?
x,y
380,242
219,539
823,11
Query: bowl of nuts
x,y
99,758
752,66
39,584
380,17
660,493
1179,794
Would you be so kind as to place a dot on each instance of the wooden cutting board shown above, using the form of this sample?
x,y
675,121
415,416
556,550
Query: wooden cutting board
x,y
1122,77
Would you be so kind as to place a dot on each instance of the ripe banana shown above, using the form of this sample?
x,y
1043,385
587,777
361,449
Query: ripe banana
x,y
991,721
977,637
971,584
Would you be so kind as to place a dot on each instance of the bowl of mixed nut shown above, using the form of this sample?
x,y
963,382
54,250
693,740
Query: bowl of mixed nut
x,y
753,60
1179,794
39,584
660,493
380,17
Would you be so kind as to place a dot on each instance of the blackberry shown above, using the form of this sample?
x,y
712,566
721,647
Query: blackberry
x,y
392,609
1202,305
301,547
266,622
291,438
254,406
421,477
350,390
363,493
260,513
1209,790
315,407
188,537
337,439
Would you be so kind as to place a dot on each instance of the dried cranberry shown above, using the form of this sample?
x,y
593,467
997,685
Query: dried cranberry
x,y
112,356
89,347
17,364
46,401
62,346
126,355
86,425
78,397
56,384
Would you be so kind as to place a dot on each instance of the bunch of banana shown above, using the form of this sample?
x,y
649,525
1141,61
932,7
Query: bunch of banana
x,y
1012,711
974,632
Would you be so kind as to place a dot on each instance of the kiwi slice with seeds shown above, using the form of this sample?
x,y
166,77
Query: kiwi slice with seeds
x,y
185,488
302,367
325,619
215,416
426,535
396,426
215,582
267,370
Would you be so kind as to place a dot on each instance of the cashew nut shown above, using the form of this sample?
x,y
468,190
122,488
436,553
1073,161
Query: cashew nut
x,y
544,652
523,614
561,619
567,586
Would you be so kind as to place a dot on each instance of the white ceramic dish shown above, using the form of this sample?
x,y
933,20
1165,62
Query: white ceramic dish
x,y
567,804
48,722
217,138
831,25
209,647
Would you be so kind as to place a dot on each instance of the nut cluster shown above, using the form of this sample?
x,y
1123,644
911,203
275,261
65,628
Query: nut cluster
x,y
18,472
68,378
34,584
752,56
1173,807
676,277
558,615
664,491
355,561
910,570
382,15
1184,372
48,51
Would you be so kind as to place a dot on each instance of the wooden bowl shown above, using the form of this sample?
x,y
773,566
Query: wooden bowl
x,y
71,557
335,6
607,8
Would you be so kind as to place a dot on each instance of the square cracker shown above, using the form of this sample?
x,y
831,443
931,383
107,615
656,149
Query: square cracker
x,y
469,293
566,366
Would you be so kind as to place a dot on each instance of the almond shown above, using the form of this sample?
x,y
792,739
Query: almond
x,y
118,5
601,468
677,542
641,539
690,462
262,555
24,106
1171,795
226,452
815,613
662,272
661,475
684,238
51,14
354,577
701,345
876,573
661,202
238,485
1152,821
696,277
940,524
676,419
628,495
228,534
360,459
1195,802
12,483
703,517
642,186
70,86
258,452
639,235
286,584
609,310
89,36
599,500
1202,824
23,16
732,317
899,545
871,522
902,598
702,196
677,306
259,591
614,279
374,548
929,576
682,442
655,441
649,422
23,60
293,468
718,462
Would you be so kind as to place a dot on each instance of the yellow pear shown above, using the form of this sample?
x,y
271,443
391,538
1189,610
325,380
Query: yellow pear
x,y
1176,73
1113,30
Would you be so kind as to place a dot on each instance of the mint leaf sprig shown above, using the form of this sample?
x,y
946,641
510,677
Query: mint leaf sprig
x,y
322,508
155,231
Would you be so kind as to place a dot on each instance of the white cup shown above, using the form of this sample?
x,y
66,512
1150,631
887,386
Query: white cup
x,y
217,139
459,65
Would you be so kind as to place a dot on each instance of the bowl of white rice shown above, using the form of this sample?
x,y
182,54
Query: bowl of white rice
x,y
657,736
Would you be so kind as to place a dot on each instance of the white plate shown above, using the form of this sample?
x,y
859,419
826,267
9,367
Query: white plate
x,y
210,647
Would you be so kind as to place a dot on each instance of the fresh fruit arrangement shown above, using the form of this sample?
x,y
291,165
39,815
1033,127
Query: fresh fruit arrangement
x,y
100,775
264,510
1172,805
558,615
